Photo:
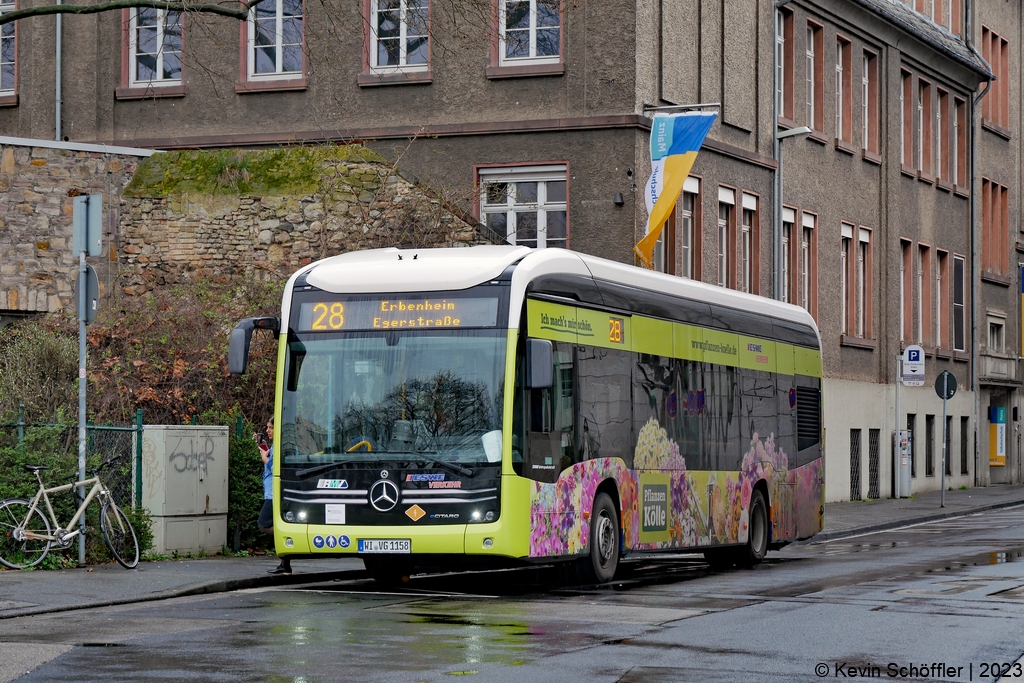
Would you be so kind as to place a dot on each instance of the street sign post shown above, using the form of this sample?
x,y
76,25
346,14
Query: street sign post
x,y
945,387
87,239
910,373
92,294
913,366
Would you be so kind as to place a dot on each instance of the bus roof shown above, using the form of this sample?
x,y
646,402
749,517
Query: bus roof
x,y
423,270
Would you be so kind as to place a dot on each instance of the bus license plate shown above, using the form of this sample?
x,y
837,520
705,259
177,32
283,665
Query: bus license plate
x,y
403,545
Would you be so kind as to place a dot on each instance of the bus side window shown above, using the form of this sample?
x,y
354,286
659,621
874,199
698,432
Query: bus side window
x,y
543,420
606,403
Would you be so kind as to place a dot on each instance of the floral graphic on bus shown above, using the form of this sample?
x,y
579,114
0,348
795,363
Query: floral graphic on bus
x,y
705,508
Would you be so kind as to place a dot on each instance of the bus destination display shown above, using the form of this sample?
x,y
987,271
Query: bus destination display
x,y
398,313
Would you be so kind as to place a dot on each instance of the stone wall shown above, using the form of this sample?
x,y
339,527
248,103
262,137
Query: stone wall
x,y
37,184
358,205
157,234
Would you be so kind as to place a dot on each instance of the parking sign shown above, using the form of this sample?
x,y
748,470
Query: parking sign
x,y
913,366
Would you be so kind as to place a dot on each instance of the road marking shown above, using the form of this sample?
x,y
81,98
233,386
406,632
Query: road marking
x,y
913,526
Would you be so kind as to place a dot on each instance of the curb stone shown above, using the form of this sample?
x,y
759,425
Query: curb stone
x,y
223,586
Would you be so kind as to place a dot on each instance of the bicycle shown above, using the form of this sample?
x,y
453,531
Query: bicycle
x,y
25,532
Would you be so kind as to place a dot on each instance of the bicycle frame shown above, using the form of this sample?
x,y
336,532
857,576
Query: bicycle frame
x,y
43,494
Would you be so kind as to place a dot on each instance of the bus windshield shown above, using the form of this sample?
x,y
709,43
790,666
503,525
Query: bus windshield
x,y
415,396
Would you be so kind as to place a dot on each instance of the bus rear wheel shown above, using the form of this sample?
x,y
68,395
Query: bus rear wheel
x,y
757,536
602,562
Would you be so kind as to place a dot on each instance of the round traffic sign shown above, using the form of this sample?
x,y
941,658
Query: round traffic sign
x,y
945,384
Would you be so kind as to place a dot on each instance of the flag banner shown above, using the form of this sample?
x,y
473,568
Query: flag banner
x,y
675,141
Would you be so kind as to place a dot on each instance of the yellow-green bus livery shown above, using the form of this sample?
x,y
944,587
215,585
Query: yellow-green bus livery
x,y
500,405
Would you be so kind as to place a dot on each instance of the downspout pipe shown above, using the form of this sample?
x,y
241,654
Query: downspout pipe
x,y
57,92
777,180
975,266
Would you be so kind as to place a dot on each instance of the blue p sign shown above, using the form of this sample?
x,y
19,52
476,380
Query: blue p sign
x,y
914,355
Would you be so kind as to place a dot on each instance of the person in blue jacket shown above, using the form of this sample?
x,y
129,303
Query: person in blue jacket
x,y
266,520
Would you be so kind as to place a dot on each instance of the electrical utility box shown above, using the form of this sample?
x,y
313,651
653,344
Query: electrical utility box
x,y
185,487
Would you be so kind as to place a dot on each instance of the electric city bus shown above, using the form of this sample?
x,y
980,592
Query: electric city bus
x,y
496,405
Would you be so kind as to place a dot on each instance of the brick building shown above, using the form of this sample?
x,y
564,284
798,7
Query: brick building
x,y
898,210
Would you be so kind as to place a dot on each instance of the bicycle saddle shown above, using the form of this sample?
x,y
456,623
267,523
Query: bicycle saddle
x,y
35,468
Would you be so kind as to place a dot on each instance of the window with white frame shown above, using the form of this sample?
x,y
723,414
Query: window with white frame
x,y
726,205
746,236
529,31
865,101
805,273
398,30
155,47
7,51
811,77
996,334
527,204
788,219
862,304
780,57
748,244
688,246
959,287
275,39
844,276
840,49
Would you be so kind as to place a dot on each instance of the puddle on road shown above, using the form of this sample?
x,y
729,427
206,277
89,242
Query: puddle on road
x,y
850,548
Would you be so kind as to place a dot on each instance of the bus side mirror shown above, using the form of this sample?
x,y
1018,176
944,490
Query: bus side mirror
x,y
539,357
241,335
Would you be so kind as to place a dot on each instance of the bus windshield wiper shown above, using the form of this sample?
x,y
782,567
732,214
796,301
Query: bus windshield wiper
x,y
317,469
309,471
429,457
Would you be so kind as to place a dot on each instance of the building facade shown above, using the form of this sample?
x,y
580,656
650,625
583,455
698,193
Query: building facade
x,y
897,210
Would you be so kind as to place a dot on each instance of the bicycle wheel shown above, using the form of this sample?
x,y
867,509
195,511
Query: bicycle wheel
x,y
16,551
119,535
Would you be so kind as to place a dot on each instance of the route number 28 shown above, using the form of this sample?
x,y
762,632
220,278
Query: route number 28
x,y
330,317
615,330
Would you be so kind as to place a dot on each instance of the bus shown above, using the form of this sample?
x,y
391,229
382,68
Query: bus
x,y
495,405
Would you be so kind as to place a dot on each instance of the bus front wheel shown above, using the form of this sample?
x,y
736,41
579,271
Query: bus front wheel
x,y
600,565
757,536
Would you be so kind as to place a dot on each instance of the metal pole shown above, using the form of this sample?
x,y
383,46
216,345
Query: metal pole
x,y
942,491
898,452
57,91
21,424
777,249
82,287
138,457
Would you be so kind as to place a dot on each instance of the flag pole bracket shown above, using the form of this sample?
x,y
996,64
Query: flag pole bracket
x,y
648,107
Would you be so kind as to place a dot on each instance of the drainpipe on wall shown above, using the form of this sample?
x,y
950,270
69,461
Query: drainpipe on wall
x,y
57,93
776,110
975,266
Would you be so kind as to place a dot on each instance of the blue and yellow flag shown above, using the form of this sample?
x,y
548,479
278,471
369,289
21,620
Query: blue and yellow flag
x,y
675,141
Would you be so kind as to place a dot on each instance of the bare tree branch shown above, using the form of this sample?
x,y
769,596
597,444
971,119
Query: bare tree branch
x,y
240,12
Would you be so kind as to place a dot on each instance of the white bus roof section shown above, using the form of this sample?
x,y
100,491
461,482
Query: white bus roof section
x,y
412,270
428,270
557,261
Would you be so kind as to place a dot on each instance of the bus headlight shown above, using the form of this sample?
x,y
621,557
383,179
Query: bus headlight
x,y
289,516
489,516
302,515
475,516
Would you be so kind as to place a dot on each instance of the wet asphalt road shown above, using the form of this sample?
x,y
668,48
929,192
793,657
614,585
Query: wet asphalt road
x,y
940,601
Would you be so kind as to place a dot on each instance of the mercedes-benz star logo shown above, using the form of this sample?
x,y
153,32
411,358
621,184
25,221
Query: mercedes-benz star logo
x,y
384,495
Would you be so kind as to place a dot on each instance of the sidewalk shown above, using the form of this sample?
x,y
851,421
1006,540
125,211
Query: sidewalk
x,y
848,519
39,592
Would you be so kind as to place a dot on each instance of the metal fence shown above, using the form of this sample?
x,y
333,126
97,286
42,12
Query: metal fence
x,y
118,446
